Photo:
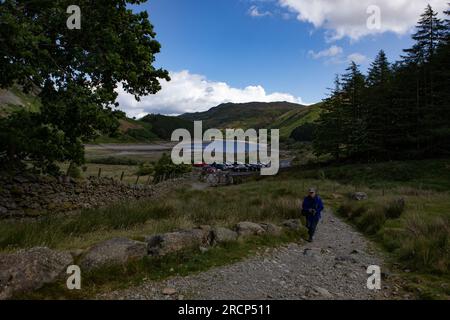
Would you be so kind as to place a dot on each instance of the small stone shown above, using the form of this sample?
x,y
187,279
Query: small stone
x,y
169,291
323,292
359,196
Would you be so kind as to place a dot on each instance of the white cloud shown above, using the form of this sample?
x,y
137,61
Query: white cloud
x,y
348,18
254,12
335,55
330,52
357,58
188,92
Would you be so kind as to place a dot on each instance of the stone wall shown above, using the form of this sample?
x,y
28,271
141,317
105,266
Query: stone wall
x,y
30,195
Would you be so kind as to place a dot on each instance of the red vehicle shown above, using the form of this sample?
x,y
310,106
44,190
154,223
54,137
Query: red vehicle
x,y
200,164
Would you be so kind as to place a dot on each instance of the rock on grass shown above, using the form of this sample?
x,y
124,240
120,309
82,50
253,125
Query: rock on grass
x,y
29,270
113,251
249,229
163,244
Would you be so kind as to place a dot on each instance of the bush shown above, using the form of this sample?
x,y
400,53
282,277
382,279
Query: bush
x,y
165,168
371,221
344,210
74,172
426,244
352,210
145,169
394,209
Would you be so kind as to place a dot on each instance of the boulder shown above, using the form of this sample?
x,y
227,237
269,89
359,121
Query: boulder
x,y
359,196
293,224
162,244
220,235
249,228
271,229
30,269
113,251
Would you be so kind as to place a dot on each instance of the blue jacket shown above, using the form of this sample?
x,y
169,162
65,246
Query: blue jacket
x,y
313,203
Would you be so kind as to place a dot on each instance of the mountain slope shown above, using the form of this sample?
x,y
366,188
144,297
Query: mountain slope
x,y
293,119
242,115
14,98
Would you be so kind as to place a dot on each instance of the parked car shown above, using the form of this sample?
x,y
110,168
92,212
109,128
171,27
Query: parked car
x,y
239,167
209,169
200,164
255,166
229,165
221,166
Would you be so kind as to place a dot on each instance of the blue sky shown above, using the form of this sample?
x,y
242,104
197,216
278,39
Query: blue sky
x,y
239,50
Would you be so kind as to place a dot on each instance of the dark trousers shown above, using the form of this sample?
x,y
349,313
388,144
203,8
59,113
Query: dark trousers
x,y
311,225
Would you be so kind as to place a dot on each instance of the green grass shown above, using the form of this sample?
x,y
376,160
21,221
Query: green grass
x,y
419,174
182,208
296,118
178,264
415,235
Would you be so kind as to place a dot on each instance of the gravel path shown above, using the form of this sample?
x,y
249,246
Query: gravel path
x,y
332,267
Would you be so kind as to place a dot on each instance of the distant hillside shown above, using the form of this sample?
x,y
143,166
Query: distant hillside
x,y
276,115
163,126
14,99
294,119
242,115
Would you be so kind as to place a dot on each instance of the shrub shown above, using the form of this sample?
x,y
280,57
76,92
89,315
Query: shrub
x,y
74,172
145,169
426,244
394,209
371,221
352,211
344,210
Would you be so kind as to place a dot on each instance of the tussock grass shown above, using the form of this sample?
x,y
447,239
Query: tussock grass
x,y
179,209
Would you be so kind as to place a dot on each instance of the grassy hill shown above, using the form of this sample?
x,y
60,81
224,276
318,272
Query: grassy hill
x,y
14,99
285,116
242,115
149,128
276,115
163,126
293,119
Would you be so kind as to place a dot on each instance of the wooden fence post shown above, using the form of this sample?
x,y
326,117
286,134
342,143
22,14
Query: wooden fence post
x,y
148,179
121,176
99,172
137,179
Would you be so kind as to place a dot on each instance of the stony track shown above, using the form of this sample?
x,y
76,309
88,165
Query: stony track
x,y
332,267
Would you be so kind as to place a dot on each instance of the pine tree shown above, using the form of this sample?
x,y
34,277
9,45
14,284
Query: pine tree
x,y
378,102
419,73
328,135
440,115
354,112
430,32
